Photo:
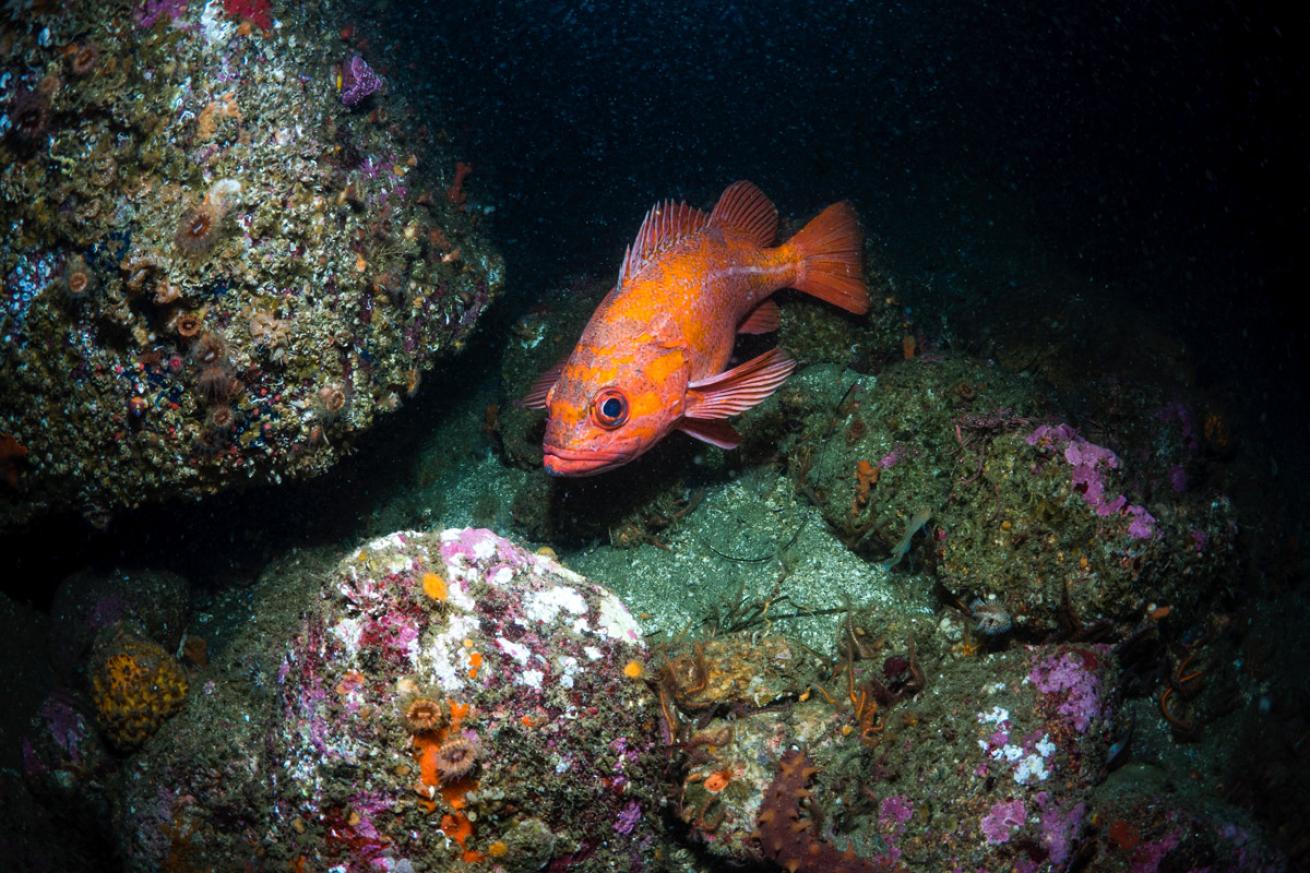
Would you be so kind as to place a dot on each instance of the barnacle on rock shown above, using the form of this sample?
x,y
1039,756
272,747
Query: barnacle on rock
x,y
331,400
140,272
166,292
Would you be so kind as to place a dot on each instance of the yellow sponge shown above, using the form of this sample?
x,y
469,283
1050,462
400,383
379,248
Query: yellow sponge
x,y
136,686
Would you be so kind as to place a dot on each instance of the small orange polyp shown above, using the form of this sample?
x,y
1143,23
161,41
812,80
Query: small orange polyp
x,y
717,781
435,587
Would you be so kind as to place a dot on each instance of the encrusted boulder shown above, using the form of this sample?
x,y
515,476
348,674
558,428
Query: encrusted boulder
x,y
214,272
955,466
444,698
949,763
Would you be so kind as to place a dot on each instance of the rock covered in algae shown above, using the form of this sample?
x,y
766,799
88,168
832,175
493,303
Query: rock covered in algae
x,y
436,699
940,764
214,272
956,466
153,602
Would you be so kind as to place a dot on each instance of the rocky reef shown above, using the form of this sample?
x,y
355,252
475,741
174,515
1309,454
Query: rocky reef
x,y
228,249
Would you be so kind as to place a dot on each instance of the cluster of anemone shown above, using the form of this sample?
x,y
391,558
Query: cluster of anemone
x,y
216,382
456,752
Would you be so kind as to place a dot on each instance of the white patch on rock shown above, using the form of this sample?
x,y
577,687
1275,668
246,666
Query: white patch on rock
x,y
1045,746
519,652
1031,767
545,606
347,631
446,656
615,621
532,678
215,26
568,667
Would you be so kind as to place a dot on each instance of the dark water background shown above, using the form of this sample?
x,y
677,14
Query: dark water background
x,y
1154,148
1151,143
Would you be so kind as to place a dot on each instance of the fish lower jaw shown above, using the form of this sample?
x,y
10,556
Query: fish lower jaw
x,y
571,462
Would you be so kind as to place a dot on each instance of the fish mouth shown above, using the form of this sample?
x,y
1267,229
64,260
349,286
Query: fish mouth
x,y
580,462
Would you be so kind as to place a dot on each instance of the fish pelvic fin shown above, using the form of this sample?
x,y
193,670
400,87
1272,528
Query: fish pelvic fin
x,y
744,208
716,433
829,257
738,389
765,318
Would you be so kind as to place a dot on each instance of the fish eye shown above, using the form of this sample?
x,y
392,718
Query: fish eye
x,y
609,408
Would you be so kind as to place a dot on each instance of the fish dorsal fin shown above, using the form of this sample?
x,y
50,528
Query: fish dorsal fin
x,y
744,208
664,224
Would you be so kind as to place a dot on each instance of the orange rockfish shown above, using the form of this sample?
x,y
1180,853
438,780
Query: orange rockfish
x,y
652,358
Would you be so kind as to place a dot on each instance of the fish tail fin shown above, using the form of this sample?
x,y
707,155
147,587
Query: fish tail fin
x,y
829,258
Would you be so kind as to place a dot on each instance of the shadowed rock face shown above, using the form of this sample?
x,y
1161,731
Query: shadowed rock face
x,y
229,278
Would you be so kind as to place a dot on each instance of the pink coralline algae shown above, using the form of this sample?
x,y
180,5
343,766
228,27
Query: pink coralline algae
x,y
1060,827
628,818
1002,820
1089,463
895,811
358,81
1065,678
151,11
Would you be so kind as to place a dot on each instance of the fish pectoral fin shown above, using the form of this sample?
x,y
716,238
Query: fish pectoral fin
x,y
716,433
535,398
765,318
740,388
